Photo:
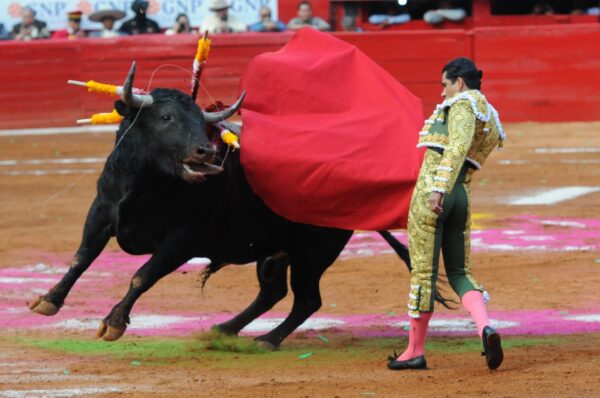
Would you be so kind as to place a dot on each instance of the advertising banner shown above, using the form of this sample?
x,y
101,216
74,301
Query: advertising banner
x,y
54,12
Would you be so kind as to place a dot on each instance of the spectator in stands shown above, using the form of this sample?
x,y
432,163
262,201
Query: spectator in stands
x,y
542,7
305,18
139,24
578,7
349,24
593,11
220,21
4,35
73,30
445,11
29,28
108,19
266,23
583,7
182,26
395,14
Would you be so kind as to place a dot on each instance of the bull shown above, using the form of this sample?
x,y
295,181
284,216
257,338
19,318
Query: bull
x,y
155,196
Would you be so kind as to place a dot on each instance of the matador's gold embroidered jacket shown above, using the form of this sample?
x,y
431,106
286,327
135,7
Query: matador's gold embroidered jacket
x,y
462,129
467,128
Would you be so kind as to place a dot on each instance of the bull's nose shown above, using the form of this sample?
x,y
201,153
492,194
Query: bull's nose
x,y
205,152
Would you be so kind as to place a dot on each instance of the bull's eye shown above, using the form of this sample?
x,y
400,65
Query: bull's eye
x,y
166,118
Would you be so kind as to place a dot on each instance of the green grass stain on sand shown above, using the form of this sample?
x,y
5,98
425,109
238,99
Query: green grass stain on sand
x,y
140,348
216,341
242,352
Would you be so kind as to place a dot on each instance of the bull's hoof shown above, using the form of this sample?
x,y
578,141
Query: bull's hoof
x,y
221,330
110,333
43,307
266,345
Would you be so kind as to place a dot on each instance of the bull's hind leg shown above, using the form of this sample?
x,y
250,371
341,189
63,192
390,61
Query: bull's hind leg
x,y
96,233
166,260
272,277
315,249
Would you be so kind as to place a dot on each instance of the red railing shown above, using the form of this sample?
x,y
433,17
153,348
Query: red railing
x,y
543,73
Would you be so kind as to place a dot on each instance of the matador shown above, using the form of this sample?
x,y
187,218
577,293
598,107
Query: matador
x,y
459,136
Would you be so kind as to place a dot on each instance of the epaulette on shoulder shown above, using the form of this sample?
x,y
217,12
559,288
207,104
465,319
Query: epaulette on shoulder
x,y
472,97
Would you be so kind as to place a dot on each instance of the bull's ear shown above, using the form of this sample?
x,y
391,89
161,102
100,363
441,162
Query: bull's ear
x,y
121,108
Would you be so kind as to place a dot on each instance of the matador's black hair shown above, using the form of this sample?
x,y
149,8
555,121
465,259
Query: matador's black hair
x,y
465,68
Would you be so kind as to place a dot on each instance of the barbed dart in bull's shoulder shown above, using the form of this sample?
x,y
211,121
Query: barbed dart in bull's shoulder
x,y
202,51
103,118
97,87
199,61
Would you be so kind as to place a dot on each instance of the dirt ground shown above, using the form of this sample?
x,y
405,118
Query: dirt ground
x,y
36,225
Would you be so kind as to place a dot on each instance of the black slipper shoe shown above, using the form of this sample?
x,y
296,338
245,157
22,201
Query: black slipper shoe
x,y
413,363
492,348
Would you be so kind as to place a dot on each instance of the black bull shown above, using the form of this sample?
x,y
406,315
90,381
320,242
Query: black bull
x,y
154,197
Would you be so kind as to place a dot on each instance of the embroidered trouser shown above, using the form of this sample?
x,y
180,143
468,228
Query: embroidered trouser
x,y
429,232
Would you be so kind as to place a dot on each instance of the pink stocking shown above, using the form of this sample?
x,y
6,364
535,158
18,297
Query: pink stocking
x,y
473,302
416,336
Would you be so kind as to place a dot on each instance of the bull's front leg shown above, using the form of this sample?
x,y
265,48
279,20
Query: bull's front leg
x,y
96,233
169,256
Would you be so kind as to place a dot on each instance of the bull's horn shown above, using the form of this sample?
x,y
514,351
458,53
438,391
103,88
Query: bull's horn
x,y
214,117
131,99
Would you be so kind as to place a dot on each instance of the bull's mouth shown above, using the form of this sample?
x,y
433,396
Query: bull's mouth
x,y
196,171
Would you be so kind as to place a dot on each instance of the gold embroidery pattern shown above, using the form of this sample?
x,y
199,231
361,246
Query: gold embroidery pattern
x,y
486,135
467,136
461,129
421,237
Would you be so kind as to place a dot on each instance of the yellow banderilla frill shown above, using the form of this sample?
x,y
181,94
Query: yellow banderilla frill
x,y
203,49
103,118
230,139
97,87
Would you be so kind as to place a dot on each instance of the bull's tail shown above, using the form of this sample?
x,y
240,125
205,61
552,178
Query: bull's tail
x,y
399,248
402,252
210,269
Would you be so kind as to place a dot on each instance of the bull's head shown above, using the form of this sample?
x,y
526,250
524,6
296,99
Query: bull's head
x,y
171,130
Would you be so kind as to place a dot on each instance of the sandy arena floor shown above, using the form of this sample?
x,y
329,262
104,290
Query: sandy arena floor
x,y
540,261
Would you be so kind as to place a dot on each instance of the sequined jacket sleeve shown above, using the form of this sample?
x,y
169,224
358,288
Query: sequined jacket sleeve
x,y
461,129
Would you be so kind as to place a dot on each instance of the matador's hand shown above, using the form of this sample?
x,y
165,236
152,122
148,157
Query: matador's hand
x,y
435,202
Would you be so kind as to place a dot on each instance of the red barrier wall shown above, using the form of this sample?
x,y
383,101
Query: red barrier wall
x,y
543,73
34,92
549,73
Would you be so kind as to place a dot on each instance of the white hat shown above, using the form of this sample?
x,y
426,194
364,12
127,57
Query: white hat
x,y
217,5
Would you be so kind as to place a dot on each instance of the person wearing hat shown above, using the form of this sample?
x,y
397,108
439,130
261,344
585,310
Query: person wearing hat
x,y
108,19
139,24
220,21
74,30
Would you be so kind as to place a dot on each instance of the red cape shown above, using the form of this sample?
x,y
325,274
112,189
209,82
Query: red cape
x,y
329,136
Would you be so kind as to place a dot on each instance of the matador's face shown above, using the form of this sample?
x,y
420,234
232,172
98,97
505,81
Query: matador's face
x,y
450,89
